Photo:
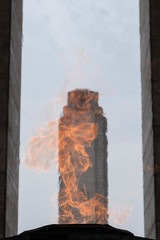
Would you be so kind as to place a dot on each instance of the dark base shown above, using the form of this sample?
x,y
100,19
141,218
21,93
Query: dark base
x,y
76,232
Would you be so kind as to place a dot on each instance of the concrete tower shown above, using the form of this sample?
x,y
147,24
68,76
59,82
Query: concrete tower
x,y
83,126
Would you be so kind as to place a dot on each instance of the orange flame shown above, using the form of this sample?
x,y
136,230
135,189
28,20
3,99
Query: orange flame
x,y
73,161
77,131
42,149
120,213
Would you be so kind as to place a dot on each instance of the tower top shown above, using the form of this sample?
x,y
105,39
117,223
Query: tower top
x,y
82,99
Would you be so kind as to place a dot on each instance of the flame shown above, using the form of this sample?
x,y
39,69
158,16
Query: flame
x,y
154,170
73,161
120,213
74,140
74,137
41,150
76,134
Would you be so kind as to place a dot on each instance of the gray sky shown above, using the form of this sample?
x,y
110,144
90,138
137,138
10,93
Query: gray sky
x,y
93,44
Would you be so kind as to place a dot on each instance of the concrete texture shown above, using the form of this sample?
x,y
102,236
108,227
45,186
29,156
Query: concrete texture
x,y
10,76
83,108
76,232
150,79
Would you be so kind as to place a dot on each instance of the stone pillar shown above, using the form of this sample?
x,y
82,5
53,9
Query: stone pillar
x,y
81,115
150,80
10,75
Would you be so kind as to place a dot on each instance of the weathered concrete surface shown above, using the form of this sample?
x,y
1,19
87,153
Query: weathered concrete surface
x,y
150,79
10,76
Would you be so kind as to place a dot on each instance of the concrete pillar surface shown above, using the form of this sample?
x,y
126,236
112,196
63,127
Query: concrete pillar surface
x,y
150,80
10,76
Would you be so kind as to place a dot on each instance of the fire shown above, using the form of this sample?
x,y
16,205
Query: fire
x,y
77,130
120,213
75,139
41,151
73,161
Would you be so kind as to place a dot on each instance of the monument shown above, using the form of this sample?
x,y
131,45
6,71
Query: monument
x,y
83,160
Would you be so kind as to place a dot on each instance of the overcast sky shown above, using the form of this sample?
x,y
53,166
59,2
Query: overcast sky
x,y
93,44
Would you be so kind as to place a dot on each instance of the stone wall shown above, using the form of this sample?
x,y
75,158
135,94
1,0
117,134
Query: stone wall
x,y
150,79
10,77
